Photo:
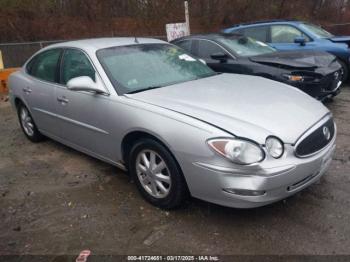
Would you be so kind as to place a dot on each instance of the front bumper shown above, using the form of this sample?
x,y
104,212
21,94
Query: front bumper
x,y
272,183
327,87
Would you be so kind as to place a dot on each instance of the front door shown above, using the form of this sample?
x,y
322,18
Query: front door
x,y
82,115
283,38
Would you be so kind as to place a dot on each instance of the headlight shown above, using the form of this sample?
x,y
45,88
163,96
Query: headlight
x,y
274,147
294,78
238,151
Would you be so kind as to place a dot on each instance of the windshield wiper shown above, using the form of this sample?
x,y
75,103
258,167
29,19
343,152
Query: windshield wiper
x,y
144,89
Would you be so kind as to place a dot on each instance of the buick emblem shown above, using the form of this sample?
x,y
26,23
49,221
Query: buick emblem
x,y
326,133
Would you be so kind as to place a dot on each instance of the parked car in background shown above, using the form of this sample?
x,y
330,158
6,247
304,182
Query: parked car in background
x,y
297,35
177,126
314,72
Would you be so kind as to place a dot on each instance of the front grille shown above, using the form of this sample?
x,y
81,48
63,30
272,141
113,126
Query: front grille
x,y
317,140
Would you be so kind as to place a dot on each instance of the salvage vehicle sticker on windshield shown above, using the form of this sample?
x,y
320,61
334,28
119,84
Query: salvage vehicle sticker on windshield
x,y
186,57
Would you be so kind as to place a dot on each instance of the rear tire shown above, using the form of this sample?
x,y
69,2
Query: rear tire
x,y
27,124
157,174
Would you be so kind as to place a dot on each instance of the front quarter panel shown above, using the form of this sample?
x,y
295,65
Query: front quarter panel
x,y
184,136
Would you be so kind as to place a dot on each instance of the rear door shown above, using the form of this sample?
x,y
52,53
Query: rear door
x,y
82,115
40,87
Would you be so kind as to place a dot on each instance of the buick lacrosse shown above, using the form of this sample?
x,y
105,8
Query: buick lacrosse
x,y
177,127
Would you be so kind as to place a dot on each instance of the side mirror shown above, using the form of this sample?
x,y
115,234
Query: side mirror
x,y
220,56
85,83
300,40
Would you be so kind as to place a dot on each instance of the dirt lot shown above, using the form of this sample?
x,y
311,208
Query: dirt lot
x,y
54,200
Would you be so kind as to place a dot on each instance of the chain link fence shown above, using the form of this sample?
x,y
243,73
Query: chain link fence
x,y
16,54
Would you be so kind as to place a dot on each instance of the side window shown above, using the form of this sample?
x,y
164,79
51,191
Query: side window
x,y
285,34
186,45
259,33
75,64
207,48
44,65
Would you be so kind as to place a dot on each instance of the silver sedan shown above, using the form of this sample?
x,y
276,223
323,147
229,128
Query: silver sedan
x,y
178,128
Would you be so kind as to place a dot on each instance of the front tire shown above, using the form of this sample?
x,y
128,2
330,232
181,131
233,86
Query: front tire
x,y
157,174
27,124
345,71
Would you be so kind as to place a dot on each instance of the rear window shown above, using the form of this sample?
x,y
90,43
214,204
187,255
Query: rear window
x,y
44,65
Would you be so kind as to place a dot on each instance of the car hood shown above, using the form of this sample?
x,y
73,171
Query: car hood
x,y
340,39
245,106
296,59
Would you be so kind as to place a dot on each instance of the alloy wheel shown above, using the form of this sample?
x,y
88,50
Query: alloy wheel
x,y
27,122
153,173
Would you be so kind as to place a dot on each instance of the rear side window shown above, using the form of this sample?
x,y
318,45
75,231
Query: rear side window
x,y
208,48
259,33
44,66
186,45
74,64
286,34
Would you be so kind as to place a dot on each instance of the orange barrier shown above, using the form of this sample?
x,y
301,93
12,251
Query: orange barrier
x,y
4,74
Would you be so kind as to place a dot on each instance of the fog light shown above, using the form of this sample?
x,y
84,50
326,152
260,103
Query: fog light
x,y
245,192
274,146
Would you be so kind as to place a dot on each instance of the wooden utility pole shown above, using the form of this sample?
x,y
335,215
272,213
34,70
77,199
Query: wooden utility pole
x,y
187,16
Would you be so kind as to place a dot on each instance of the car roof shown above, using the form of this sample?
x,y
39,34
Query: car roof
x,y
273,21
212,36
95,44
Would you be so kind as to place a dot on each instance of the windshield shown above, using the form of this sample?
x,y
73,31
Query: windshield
x,y
318,31
137,68
246,46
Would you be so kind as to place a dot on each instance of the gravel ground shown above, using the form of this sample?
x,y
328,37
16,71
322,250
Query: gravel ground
x,y
55,200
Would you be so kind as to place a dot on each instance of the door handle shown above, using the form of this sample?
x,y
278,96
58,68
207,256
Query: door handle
x,y
27,90
62,100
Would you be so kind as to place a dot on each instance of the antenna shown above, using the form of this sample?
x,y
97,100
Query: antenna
x,y
136,40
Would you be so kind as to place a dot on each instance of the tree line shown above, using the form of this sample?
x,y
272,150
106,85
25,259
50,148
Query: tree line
x,y
32,20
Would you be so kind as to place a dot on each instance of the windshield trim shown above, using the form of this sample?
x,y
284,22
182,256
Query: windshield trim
x,y
305,27
119,86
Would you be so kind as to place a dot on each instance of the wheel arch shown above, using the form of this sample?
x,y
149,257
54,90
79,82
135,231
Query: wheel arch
x,y
133,136
18,101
